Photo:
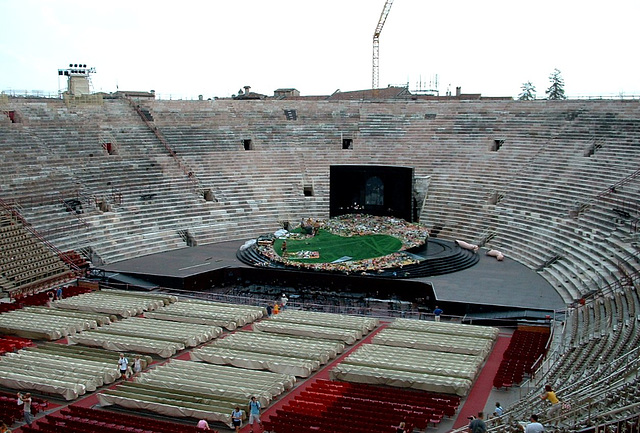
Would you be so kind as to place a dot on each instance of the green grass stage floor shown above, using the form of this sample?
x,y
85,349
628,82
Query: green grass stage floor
x,y
333,247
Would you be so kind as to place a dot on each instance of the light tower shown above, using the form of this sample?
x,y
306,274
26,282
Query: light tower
x,y
376,42
78,81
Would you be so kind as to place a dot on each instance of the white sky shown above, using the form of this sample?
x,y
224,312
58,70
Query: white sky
x,y
212,47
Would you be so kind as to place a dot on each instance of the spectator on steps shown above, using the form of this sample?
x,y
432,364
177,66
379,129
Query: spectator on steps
x,y
550,395
477,424
498,411
534,426
400,428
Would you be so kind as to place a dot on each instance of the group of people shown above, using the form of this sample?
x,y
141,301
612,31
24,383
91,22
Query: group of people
x,y
128,369
278,306
54,295
477,424
238,415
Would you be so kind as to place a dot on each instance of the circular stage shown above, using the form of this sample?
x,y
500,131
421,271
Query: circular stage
x,y
415,255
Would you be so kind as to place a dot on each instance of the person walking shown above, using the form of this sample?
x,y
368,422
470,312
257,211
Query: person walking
x,y
123,364
254,412
498,411
236,418
137,365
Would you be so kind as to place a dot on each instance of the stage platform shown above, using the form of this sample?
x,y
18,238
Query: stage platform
x,y
507,283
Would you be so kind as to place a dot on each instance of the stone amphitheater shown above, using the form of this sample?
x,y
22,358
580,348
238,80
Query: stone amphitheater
x,y
554,185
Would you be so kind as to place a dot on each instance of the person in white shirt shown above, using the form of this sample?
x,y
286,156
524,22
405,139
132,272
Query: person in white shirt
x,y
534,426
26,399
123,363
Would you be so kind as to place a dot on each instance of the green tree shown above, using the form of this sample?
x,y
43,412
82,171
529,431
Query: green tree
x,y
556,89
528,92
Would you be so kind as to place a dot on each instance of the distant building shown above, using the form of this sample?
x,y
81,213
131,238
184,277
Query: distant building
x,y
248,94
286,93
391,92
136,95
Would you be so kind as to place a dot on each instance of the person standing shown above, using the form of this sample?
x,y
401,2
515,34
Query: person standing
x,y
137,365
477,424
550,395
123,364
26,399
51,297
254,412
236,418
436,313
283,301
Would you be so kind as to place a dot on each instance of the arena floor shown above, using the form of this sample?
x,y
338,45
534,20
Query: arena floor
x,y
507,283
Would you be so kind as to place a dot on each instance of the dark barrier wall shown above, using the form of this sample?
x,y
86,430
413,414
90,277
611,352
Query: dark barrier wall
x,y
371,189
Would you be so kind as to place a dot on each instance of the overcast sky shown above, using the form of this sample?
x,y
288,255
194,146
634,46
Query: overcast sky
x,y
186,48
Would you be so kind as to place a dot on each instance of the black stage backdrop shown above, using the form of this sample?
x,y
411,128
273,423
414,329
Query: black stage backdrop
x,y
371,189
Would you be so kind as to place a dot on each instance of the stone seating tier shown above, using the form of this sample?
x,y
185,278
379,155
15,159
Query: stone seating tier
x,y
540,171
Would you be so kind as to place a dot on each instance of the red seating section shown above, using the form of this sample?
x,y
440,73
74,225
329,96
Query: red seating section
x,y
331,406
526,346
5,307
72,257
74,419
9,409
11,344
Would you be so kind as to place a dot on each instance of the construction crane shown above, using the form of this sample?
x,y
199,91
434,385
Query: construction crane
x,y
376,42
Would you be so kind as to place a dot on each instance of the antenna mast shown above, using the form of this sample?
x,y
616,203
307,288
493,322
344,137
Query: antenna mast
x,y
376,42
